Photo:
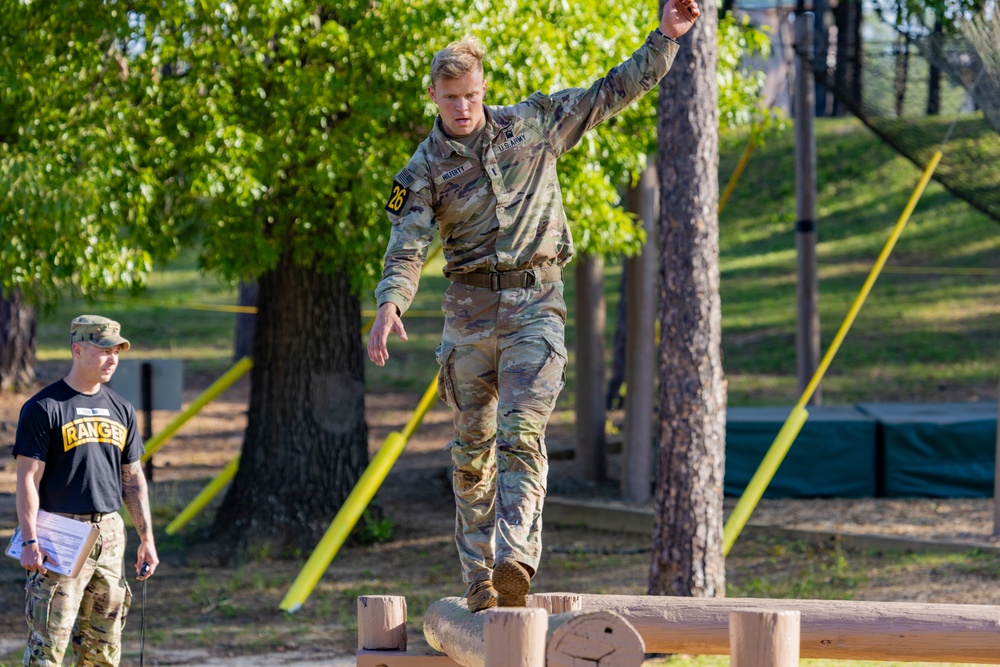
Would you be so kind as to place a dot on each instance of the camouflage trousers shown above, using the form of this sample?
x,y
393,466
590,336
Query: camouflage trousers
x,y
88,611
503,362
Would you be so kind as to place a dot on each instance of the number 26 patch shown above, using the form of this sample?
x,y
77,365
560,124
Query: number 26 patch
x,y
398,197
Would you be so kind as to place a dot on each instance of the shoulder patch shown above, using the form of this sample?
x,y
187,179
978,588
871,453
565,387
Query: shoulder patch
x,y
401,184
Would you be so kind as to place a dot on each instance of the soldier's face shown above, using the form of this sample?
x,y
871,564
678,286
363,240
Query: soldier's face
x,y
97,364
460,103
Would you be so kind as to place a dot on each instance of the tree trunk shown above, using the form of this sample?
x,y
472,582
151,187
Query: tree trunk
x,y
687,530
243,340
902,48
306,442
821,48
934,75
18,329
847,76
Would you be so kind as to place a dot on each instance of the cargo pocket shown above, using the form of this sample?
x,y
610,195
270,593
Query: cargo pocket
x,y
39,593
445,355
541,370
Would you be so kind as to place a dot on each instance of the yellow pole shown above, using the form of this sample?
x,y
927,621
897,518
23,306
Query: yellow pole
x,y
425,403
762,477
786,436
219,386
354,506
206,495
345,520
740,166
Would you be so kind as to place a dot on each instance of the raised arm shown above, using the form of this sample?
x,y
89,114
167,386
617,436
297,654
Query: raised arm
x,y
136,495
678,16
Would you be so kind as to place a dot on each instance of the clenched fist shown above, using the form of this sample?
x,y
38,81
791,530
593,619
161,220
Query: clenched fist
x,y
678,17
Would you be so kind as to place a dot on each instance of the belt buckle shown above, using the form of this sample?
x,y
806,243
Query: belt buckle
x,y
530,278
494,282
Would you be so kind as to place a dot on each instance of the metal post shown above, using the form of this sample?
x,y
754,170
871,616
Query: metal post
x,y
147,412
807,338
640,346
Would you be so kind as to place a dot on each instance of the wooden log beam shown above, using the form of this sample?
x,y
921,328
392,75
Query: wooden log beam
x,y
573,639
833,629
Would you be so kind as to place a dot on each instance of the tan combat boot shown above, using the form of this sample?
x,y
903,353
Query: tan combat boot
x,y
481,595
512,581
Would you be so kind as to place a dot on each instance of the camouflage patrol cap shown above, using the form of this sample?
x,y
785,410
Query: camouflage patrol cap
x,y
97,330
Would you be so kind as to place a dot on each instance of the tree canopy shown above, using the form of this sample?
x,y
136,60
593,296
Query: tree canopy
x,y
250,130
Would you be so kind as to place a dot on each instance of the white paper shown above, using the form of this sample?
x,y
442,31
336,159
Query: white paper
x,y
65,541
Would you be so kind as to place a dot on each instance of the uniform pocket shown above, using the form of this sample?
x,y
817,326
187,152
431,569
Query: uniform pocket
x,y
538,367
445,355
39,593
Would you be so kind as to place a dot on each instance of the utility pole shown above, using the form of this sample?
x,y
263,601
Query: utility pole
x,y
807,338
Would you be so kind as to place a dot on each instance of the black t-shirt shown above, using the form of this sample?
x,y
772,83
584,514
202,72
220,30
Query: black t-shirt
x,y
83,441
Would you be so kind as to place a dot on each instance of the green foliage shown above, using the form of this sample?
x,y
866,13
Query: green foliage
x,y
375,531
75,211
255,131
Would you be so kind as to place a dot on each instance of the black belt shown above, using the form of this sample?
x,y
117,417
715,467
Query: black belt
x,y
91,517
508,279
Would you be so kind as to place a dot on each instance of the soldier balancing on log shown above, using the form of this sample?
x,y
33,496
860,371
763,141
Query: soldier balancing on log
x,y
486,178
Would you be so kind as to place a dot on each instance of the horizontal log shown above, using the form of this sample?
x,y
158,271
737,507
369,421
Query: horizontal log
x,y
832,629
403,659
579,638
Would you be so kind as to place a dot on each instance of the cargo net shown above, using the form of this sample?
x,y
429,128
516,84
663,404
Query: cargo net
x,y
927,89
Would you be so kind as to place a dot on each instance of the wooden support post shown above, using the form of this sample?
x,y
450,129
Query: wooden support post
x,y
382,622
831,629
515,637
764,638
589,452
382,635
573,639
640,347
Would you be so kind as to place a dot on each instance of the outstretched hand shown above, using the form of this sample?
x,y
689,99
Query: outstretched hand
x,y
678,17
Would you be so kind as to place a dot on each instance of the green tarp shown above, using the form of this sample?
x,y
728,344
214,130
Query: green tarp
x,y
833,455
945,450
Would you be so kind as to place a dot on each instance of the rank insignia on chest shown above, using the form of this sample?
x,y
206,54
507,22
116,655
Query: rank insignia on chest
x,y
400,191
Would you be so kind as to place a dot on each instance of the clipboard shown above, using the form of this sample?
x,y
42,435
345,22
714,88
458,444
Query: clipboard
x,y
68,541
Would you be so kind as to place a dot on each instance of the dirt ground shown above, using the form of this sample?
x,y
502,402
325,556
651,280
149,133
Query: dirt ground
x,y
199,613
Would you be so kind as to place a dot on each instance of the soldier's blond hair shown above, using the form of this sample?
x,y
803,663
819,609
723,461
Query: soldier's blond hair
x,y
458,59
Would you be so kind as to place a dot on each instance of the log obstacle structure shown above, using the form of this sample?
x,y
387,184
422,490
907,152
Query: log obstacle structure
x,y
833,629
571,630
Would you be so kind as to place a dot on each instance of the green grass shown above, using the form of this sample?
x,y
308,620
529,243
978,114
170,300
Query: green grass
x,y
928,331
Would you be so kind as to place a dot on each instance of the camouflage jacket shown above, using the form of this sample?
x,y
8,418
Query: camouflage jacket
x,y
501,210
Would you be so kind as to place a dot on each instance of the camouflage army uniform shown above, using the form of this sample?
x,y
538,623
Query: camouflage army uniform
x,y
88,610
499,211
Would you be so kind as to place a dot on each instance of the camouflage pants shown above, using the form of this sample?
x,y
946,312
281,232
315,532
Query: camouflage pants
x,y
503,364
89,610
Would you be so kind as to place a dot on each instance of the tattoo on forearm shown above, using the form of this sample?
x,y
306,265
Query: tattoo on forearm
x,y
136,497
